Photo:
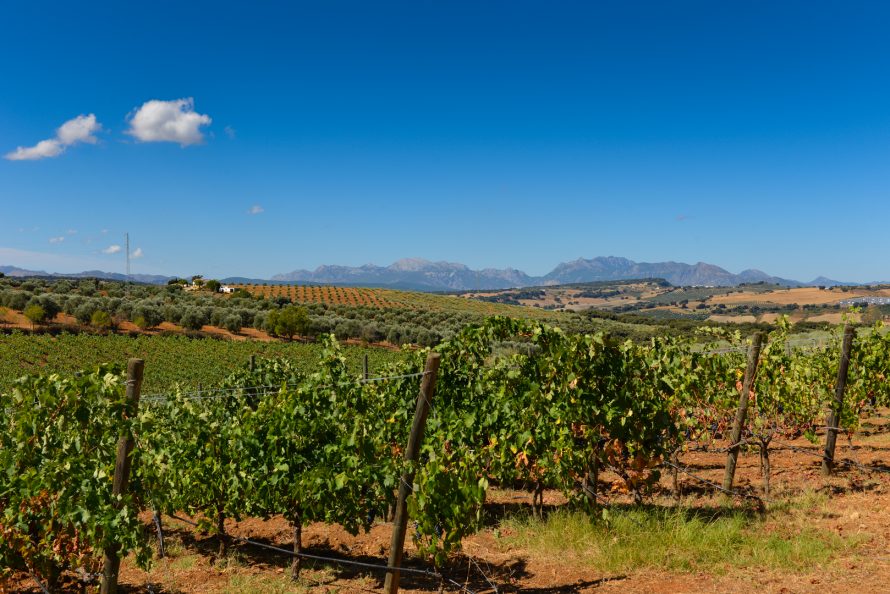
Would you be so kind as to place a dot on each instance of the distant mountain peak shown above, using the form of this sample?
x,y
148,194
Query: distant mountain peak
x,y
409,264
425,275
421,274
154,279
421,265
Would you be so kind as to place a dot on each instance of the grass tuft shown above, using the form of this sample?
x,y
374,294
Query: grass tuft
x,y
673,539
281,583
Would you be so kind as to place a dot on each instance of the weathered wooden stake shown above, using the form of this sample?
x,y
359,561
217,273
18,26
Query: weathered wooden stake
x,y
590,482
834,417
412,453
135,368
675,477
764,464
736,436
365,372
297,563
252,363
159,529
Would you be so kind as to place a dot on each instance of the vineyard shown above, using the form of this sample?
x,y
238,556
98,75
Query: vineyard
x,y
392,299
174,360
585,415
323,294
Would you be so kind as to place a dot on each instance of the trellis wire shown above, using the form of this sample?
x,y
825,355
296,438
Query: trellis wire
x,y
374,566
844,461
715,485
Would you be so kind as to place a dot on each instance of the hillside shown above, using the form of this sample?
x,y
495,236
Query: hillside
x,y
657,300
416,274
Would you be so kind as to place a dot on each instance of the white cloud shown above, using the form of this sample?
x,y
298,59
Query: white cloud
x,y
72,231
168,121
41,150
137,253
230,132
58,239
255,209
112,249
80,129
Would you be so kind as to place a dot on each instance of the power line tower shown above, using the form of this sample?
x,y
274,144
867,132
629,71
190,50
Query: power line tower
x,y
127,238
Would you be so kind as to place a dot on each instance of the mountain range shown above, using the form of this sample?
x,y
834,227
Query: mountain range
x,y
422,275
149,279
417,274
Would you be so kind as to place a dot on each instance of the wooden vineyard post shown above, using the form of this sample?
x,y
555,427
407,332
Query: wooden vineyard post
x,y
834,417
159,530
412,453
252,363
135,368
735,437
365,372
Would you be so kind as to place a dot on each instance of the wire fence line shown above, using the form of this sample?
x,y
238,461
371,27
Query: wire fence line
x,y
715,485
842,461
336,560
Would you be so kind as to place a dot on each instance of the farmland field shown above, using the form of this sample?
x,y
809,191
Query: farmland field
x,y
572,464
170,360
801,295
752,303
390,298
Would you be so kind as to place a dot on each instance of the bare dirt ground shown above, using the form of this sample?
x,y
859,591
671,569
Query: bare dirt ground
x,y
854,507
833,318
740,319
801,296
15,319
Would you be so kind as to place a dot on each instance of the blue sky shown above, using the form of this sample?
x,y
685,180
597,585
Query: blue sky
x,y
514,133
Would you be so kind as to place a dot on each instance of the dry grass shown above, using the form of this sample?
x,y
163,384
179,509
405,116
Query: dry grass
x,y
801,296
732,319
677,539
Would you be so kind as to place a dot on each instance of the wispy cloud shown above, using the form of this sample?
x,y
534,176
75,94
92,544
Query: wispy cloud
x,y
72,231
80,129
255,209
168,121
58,239
42,150
112,249
137,253
230,132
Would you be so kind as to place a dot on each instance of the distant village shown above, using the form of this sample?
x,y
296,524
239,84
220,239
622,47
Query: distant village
x,y
865,300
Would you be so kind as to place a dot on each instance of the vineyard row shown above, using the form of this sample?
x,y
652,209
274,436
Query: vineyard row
x,y
328,446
